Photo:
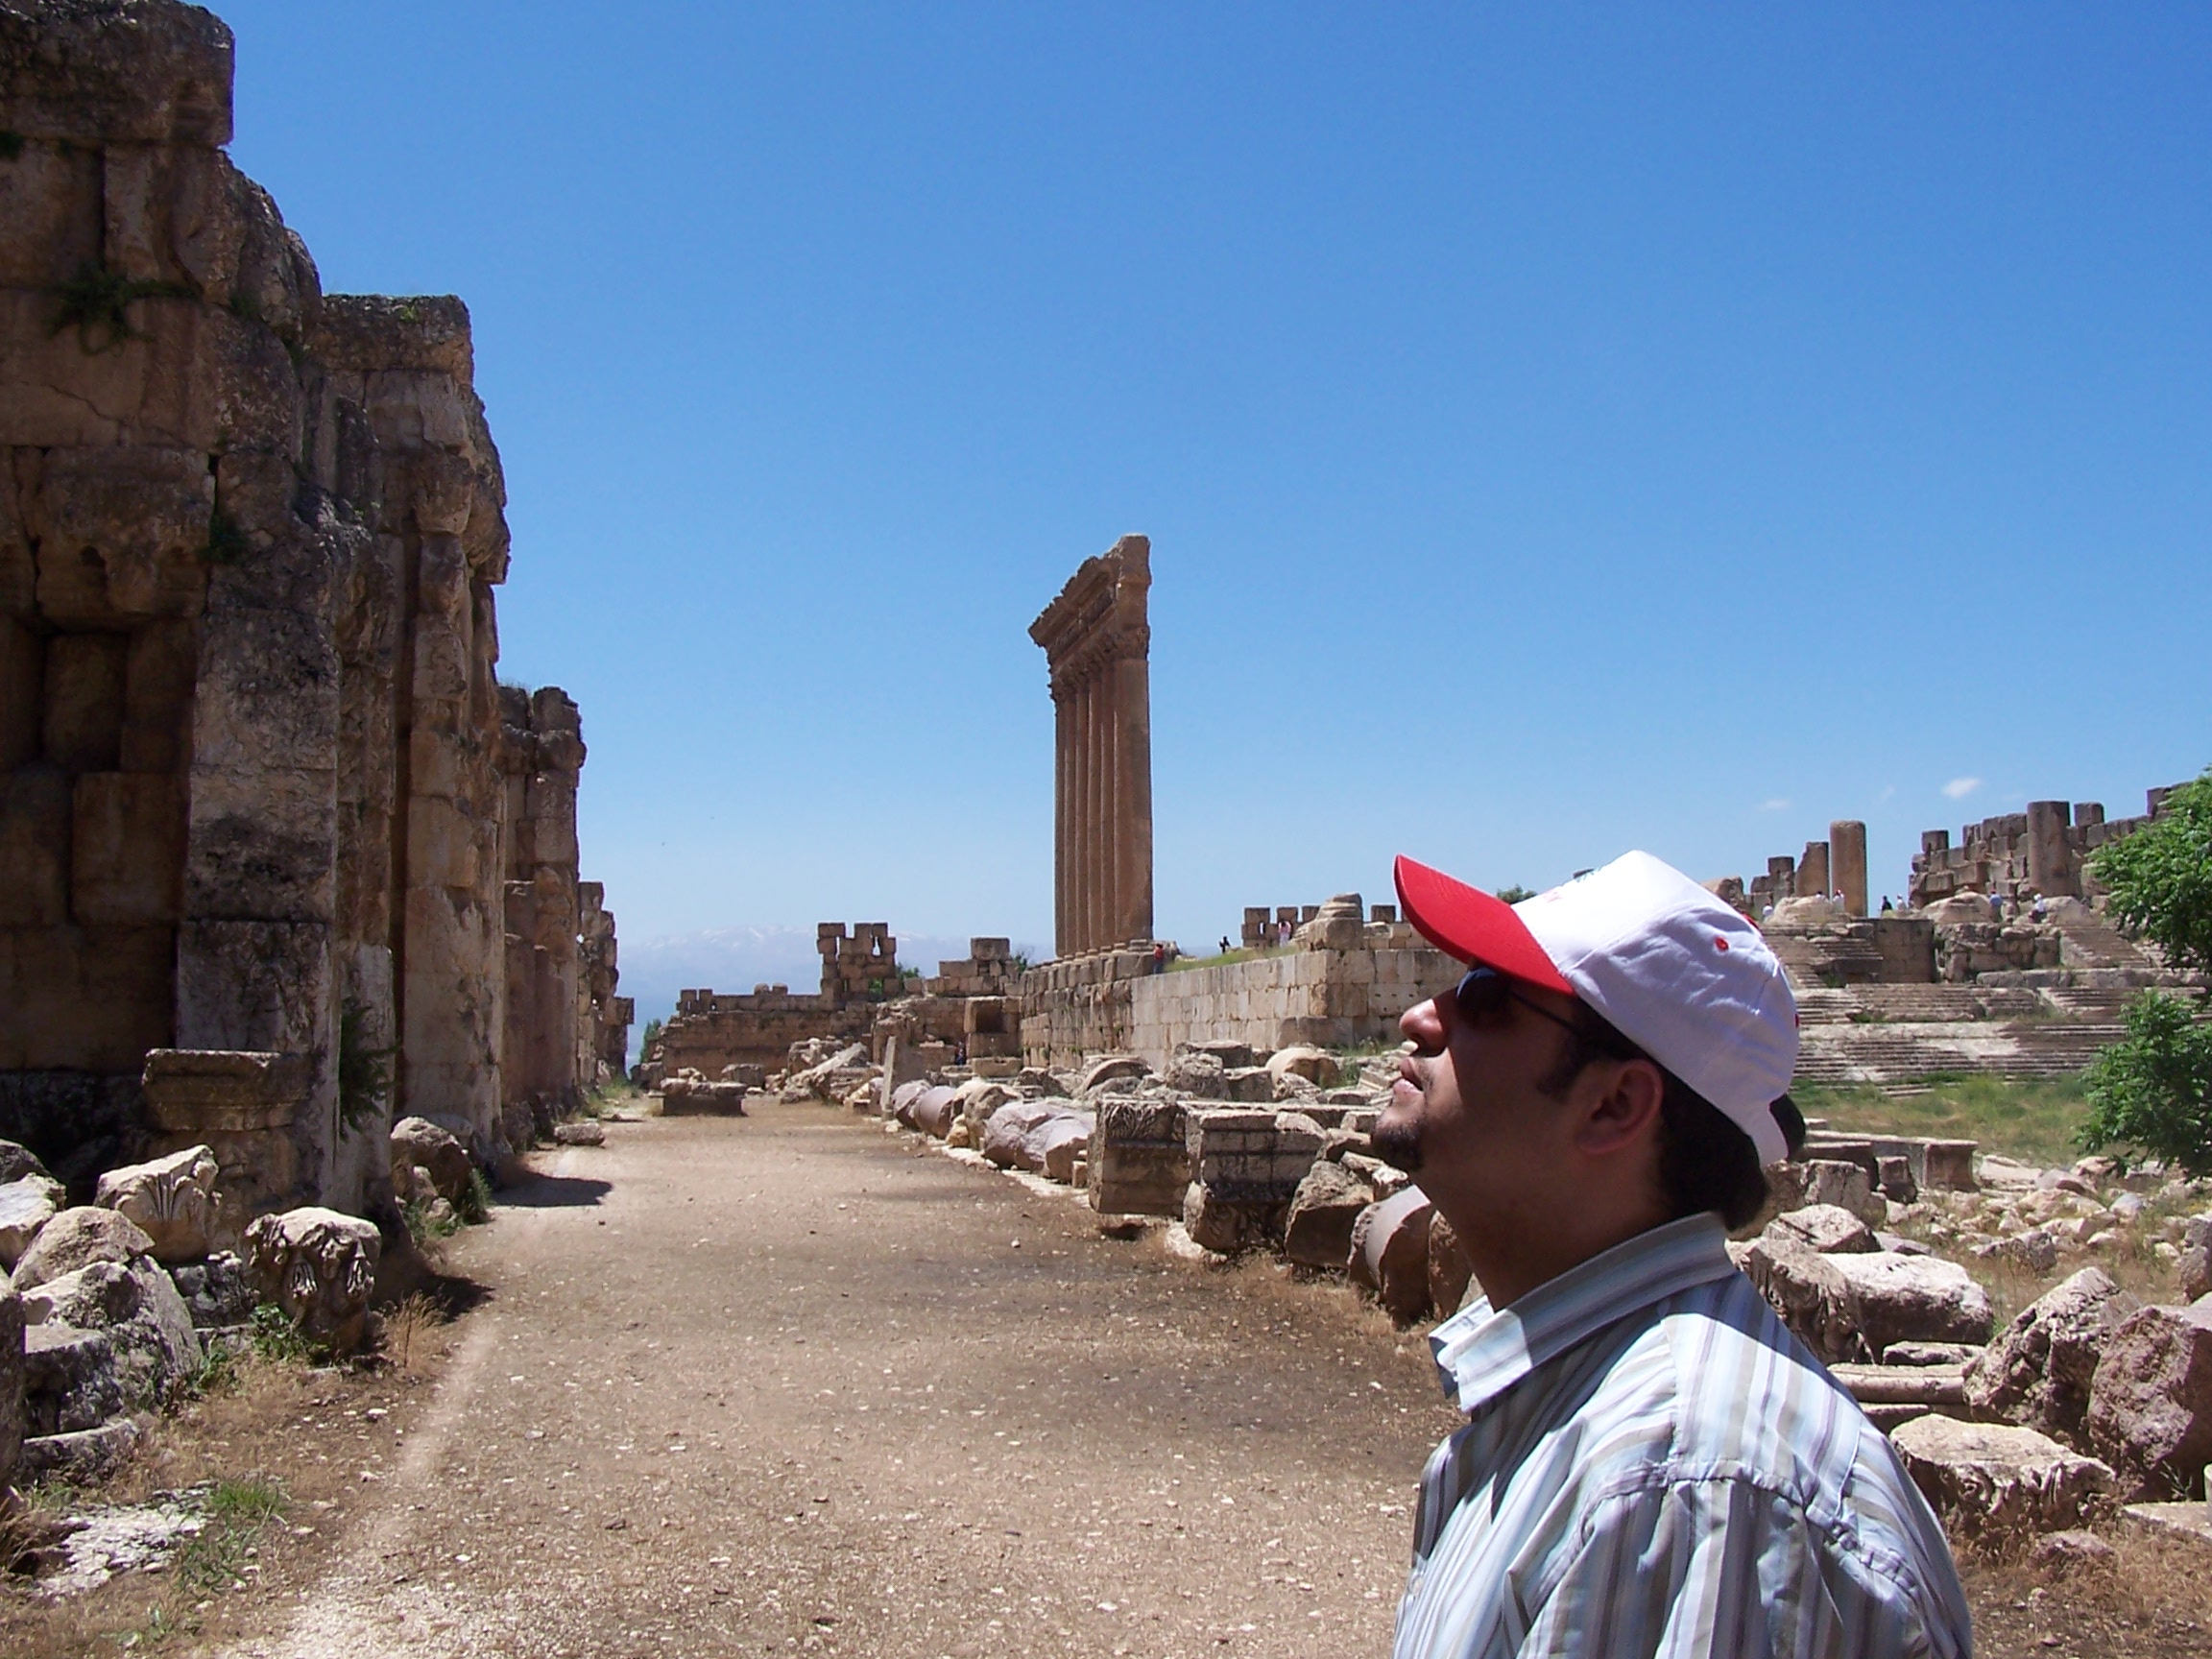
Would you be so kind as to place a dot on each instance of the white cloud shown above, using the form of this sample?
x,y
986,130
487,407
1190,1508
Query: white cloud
x,y
1777,805
1887,791
1959,788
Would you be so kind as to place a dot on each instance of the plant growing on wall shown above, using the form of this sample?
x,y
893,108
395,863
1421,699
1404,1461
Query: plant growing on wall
x,y
364,1074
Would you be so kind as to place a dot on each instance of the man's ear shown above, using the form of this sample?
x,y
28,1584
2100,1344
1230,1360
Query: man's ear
x,y
1625,1110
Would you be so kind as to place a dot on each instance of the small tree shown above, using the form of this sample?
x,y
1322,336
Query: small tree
x,y
2153,1089
2160,877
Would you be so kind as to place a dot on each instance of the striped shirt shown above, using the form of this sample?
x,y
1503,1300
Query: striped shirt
x,y
1653,1465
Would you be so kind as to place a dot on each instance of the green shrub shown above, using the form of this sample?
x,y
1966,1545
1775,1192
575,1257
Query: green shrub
x,y
2153,1090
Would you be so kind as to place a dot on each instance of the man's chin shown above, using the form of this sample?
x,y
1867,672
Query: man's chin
x,y
1397,1142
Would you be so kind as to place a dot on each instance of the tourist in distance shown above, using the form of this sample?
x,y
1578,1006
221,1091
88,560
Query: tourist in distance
x,y
1652,1463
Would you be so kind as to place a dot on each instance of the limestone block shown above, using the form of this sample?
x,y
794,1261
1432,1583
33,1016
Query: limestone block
x,y
135,1306
2151,1401
171,1200
84,998
1853,1307
417,410
191,1091
1111,1068
77,1239
1847,1186
320,1267
159,674
70,1381
1317,1231
2195,1266
1389,1255
35,847
49,214
163,77
417,1142
1229,1225
267,697
255,985
127,848
442,844
2037,1370
26,1205
22,688
1829,1228
83,699
442,660
53,392
1992,1483
1139,1158
217,1293
13,1378
123,532
1248,1084
1450,1270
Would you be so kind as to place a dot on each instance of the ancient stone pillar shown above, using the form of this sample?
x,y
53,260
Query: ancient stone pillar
x,y
1062,747
1847,863
1813,870
1097,638
1133,682
2050,856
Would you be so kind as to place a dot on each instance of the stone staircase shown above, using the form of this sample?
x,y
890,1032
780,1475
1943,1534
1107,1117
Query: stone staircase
x,y
1902,1052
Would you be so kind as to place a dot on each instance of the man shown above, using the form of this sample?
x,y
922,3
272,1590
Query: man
x,y
1652,1464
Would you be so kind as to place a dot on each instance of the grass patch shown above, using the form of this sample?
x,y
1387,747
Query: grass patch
x,y
2035,1121
277,1340
1226,958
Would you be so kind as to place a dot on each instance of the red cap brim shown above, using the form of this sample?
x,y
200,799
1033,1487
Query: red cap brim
x,y
1473,925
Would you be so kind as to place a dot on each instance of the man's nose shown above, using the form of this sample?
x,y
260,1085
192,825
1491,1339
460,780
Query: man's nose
x,y
1422,1025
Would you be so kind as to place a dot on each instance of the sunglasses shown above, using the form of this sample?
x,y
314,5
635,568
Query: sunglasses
x,y
1486,991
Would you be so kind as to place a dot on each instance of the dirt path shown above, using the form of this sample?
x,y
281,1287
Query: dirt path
x,y
790,1382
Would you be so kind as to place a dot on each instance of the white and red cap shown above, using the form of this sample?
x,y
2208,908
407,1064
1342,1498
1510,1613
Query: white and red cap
x,y
1682,975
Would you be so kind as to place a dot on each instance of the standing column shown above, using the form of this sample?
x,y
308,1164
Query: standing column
x,y
1093,873
1078,814
1133,676
1847,863
1109,819
1059,820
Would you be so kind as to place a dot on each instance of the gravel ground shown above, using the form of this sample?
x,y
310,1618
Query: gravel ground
x,y
786,1382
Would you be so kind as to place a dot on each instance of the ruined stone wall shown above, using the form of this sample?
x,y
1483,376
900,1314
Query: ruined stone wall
x,y
541,756
1114,1000
602,1019
249,789
2017,855
711,1030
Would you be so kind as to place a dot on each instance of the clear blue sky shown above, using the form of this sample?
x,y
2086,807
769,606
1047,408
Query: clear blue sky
x,y
1560,429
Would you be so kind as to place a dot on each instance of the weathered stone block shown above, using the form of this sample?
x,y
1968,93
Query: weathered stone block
x,y
320,1267
1138,1158
2151,1401
26,1205
1994,1483
83,699
77,1238
127,848
35,847
1317,1231
171,1199
2037,1370
1853,1307
157,678
49,214
84,998
1389,1254
123,532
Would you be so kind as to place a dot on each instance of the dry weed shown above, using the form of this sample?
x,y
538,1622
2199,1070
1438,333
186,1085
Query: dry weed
x,y
406,1332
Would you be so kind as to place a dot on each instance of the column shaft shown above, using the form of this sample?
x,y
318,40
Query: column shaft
x,y
1060,824
1133,678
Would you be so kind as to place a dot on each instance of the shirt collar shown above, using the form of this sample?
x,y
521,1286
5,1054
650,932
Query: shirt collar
x,y
1481,1353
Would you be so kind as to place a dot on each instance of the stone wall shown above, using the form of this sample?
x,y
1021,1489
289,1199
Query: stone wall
x,y
249,730
541,757
1114,1001
2018,854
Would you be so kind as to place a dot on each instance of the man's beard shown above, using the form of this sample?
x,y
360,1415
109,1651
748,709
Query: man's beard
x,y
1399,1145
